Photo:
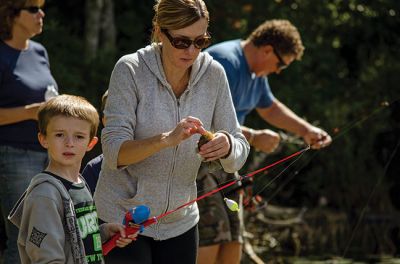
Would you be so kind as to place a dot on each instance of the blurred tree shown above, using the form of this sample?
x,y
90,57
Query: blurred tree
x,y
100,31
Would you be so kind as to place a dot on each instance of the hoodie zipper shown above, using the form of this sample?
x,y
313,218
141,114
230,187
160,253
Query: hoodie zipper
x,y
168,191
174,159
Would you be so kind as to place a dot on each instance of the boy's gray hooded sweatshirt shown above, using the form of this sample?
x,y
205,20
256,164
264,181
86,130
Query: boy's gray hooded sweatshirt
x,y
48,229
141,104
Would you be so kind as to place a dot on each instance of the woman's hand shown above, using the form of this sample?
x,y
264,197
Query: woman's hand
x,y
17,114
216,148
183,130
123,241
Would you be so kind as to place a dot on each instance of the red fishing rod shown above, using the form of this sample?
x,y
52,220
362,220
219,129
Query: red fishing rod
x,y
134,228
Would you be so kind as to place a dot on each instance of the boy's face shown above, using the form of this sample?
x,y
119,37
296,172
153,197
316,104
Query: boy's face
x,y
67,140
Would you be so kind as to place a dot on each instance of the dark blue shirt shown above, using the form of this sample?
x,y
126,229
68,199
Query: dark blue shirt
x,y
248,91
25,78
91,172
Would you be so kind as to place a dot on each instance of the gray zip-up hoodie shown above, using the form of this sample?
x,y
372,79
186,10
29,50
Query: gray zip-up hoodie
x,y
141,104
48,228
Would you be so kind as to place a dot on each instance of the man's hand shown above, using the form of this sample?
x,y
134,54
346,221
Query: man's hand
x,y
317,138
265,140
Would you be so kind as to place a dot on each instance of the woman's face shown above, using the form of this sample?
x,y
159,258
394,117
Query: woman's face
x,y
29,22
183,58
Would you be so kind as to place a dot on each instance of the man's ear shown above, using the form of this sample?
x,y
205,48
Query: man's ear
x,y
268,49
42,140
92,143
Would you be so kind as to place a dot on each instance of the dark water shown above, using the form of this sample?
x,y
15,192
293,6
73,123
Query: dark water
x,y
315,260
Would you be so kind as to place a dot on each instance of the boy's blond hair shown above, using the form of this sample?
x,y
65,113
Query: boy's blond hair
x,y
68,106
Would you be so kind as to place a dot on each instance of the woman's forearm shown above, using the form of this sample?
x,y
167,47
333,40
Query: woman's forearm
x,y
133,151
17,114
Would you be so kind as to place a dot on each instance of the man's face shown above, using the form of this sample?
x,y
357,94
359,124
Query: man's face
x,y
270,61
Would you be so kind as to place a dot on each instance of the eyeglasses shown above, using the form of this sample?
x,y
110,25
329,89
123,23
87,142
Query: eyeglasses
x,y
281,63
184,43
32,9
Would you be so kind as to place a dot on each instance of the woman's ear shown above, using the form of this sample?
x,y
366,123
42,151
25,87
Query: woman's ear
x,y
42,140
157,33
92,143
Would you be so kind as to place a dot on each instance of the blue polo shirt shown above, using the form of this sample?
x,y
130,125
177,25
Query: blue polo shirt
x,y
25,78
248,91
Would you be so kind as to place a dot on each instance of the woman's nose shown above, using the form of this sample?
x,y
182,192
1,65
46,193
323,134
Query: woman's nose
x,y
41,13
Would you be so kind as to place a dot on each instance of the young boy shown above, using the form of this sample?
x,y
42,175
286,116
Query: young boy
x,y
56,216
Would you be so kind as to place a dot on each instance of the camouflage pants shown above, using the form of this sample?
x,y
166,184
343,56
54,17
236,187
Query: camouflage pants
x,y
217,223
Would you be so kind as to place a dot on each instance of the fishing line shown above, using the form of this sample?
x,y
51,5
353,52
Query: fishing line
x,y
378,182
249,175
276,177
339,134
351,125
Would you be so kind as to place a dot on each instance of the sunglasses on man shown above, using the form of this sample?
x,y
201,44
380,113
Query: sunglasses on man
x,y
184,43
281,63
32,9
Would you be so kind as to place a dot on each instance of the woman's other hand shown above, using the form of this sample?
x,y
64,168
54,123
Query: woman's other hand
x,y
216,148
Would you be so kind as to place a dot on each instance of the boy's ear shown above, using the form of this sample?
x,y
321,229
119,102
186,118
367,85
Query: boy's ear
x,y
92,143
42,140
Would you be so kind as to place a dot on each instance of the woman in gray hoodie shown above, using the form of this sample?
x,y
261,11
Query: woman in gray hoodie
x,y
160,99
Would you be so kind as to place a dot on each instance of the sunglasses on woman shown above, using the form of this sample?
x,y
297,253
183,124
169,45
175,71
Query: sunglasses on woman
x,y
32,9
184,43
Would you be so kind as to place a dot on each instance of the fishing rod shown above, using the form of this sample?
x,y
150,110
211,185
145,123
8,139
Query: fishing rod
x,y
136,227
339,132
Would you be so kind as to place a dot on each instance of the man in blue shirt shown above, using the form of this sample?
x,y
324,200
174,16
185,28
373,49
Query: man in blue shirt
x,y
270,48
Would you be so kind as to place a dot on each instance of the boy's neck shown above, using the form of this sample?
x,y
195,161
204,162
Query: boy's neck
x,y
70,174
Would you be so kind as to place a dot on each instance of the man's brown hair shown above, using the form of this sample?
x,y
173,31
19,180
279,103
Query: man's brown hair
x,y
281,35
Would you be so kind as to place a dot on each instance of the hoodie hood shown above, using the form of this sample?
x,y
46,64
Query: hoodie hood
x,y
16,213
154,63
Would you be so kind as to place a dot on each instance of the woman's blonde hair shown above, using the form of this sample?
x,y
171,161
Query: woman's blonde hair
x,y
177,14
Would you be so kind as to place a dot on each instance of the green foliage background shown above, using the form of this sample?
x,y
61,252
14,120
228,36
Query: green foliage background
x,y
351,65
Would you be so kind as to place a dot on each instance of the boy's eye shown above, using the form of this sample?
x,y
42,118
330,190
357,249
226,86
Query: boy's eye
x,y
80,137
59,135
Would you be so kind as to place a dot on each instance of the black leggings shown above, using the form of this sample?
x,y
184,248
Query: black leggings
x,y
146,250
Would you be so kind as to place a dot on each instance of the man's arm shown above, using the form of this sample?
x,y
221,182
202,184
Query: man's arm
x,y
282,117
264,140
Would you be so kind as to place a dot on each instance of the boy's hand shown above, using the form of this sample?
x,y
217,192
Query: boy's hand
x,y
123,241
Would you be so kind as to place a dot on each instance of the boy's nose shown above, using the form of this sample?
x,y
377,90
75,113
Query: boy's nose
x,y
69,141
